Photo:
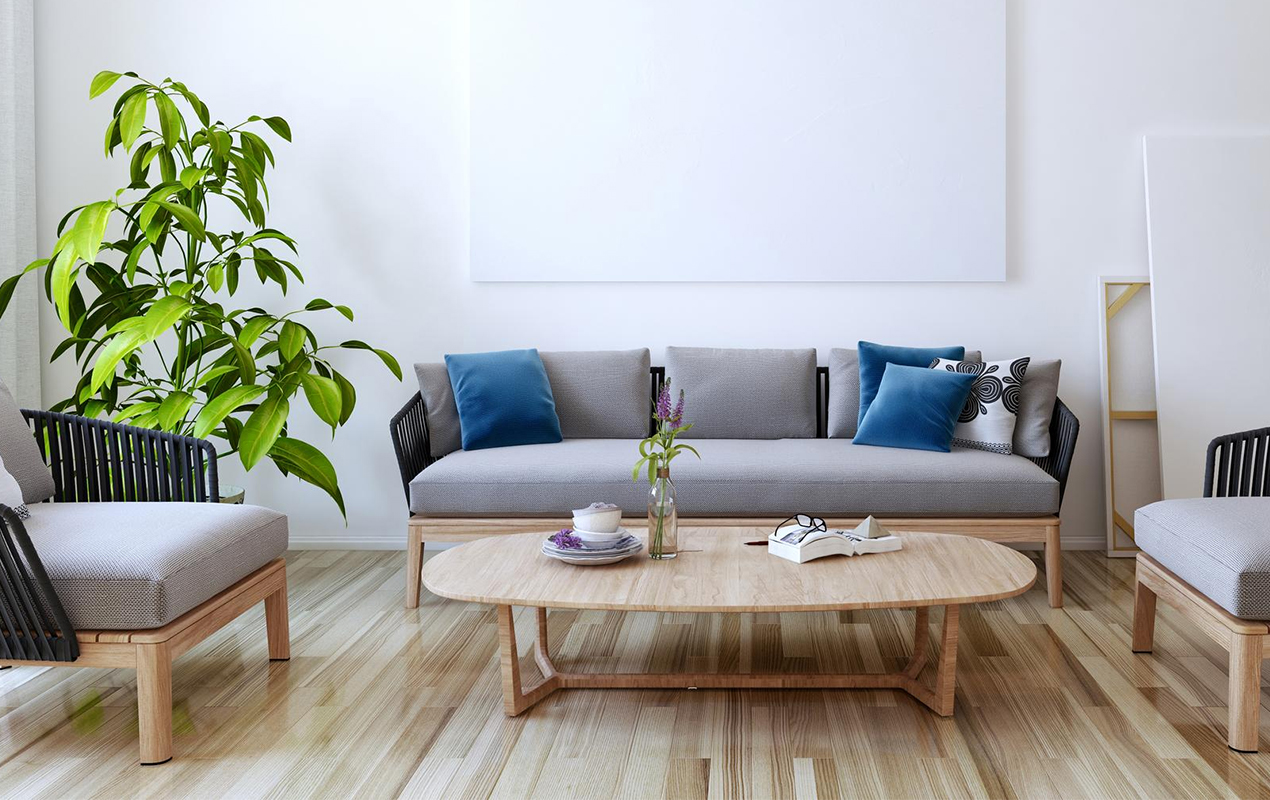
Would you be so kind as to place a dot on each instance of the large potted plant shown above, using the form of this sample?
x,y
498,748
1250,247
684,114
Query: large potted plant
x,y
144,288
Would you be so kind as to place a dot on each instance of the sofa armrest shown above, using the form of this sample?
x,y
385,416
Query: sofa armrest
x,y
1235,464
409,430
33,623
1064,428
96,460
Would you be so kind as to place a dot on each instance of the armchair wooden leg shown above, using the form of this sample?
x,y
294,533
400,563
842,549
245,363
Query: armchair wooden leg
x,y
278,625
1143,618
1245,691
154,702
1054,566
414,568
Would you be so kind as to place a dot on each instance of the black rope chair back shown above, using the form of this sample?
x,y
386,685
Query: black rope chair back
x,y
33,624
1236,465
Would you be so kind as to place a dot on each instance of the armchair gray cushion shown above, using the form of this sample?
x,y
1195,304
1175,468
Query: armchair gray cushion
x,y
444,434
128,566
746,394
21,454
844,391
1219,545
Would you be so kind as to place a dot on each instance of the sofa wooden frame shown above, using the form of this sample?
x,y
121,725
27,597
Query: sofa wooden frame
x,y
409,430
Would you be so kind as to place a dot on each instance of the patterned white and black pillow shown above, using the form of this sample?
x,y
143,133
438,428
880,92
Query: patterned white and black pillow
x,y
987,420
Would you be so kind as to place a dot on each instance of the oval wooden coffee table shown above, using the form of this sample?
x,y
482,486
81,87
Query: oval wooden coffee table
x,y
717,573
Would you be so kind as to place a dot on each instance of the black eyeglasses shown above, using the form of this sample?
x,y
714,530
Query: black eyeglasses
x,y
807,524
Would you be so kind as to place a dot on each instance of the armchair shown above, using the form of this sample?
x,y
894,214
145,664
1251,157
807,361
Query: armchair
x,y
108,571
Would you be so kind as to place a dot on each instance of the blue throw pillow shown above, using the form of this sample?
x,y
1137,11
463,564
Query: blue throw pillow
x,y
504,399
875,357
915,408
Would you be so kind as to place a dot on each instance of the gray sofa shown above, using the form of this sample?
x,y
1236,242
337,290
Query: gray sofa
x,y
774,436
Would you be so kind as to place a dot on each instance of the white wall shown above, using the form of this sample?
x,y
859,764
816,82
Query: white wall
x,y
375,189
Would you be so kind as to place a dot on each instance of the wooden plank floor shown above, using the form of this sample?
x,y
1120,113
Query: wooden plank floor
x,y
379,701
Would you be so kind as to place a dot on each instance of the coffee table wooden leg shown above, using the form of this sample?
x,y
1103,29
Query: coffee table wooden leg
x,y
516,699
921,643
946,669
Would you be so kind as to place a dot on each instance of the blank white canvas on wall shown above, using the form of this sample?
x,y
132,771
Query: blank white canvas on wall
x,y
724,141
1208,219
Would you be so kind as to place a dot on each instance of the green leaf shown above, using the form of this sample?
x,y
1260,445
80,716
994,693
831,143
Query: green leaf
x,y
134,256
6,292
246,362
262,430
190,176
112,136
116,350
170,122
61,277
308,464
216,276
324,397
217,409
279,126
133,411
254,327
132,120
173,409
348,396
291,340
186,216
384,355
163,315
321,305
214,373
90,228
102,81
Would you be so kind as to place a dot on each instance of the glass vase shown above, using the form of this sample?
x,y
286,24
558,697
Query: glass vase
x,y
663,518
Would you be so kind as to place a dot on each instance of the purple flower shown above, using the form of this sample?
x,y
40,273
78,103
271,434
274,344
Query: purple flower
x,y
678,416
662,411
565,540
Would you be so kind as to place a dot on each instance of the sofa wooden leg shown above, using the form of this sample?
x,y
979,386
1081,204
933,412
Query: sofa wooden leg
x,y
278,624
1143,618
1245,691
414,568
1054,566
154,702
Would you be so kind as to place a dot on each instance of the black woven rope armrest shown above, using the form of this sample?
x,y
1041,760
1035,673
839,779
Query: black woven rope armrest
x,y
409,430
33,624
1064,428
95,460
1236,465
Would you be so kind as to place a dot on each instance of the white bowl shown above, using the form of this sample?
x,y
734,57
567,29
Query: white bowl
x,y
601,520
600,538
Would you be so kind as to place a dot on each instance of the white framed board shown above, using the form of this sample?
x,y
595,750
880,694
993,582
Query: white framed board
x,y
1208,202
648,140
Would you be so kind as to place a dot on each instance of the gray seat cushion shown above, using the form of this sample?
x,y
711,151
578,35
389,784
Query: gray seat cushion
x,y
745,394
737,478
20,453
1219,545
844,391
126,566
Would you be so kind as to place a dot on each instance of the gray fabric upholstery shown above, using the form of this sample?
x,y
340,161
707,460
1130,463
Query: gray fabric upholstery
x,y
1219,545
444,433
125,566
746,394
737,478
21,454
844,391
1036,407
601,394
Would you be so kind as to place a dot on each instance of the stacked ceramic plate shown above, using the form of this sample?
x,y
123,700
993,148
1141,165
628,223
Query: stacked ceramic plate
x,y
588,548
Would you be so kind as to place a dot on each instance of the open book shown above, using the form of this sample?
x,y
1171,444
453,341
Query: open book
x,y
800,545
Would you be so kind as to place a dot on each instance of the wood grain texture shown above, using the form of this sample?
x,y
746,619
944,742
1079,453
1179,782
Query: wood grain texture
x,y
381,702
717,571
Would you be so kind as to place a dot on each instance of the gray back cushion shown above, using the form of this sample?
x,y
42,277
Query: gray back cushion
x,y
745,394
1036,408
21,454
844,390
601,394
444,434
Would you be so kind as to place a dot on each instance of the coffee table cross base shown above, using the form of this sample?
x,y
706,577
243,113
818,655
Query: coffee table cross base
x,y
938,696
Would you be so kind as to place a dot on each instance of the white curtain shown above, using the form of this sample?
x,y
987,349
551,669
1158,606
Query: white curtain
x,y
19,328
